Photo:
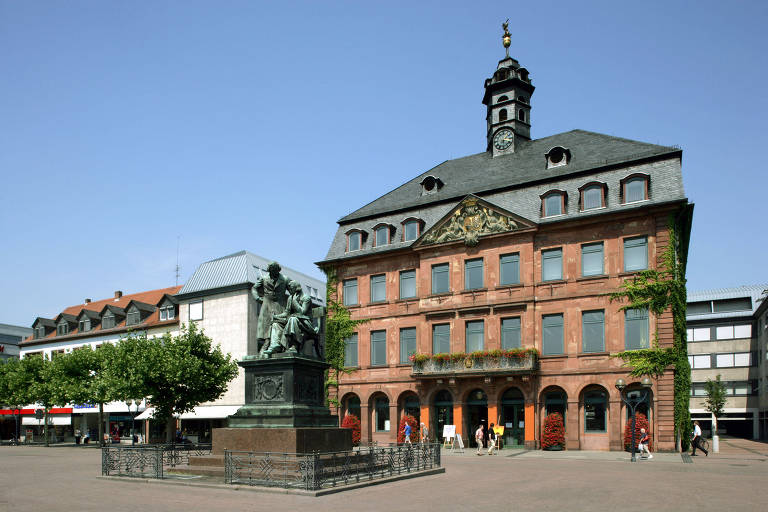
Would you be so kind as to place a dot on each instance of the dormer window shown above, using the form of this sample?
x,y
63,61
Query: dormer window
x,y
635,188
62,328
411,229
382,235
108,320
167,312
133,317
39,332
84,325
592,196
430,185
558,156
355,239
553,203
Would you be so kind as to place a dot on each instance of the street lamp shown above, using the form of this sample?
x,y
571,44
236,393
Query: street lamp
x,y
632,403
133,417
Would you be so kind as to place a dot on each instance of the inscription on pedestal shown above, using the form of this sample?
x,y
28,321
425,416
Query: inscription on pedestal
x,y
268,388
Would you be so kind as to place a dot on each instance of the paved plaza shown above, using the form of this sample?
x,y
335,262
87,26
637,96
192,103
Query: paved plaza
x,y
67,478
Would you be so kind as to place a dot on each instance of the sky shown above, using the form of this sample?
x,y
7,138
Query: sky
x,y
133,133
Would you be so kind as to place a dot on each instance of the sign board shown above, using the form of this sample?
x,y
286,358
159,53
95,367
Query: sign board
x,y
509,425
499,429
459,440
449,431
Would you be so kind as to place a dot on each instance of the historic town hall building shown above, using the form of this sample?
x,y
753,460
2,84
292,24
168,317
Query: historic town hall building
x,y
515,247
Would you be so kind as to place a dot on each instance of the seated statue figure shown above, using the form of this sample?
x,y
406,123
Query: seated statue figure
x,y
294,325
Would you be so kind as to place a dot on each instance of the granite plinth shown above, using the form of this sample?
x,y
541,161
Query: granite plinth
x,y
282,440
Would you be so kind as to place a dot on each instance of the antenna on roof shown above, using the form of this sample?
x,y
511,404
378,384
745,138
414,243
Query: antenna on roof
x,y
178,267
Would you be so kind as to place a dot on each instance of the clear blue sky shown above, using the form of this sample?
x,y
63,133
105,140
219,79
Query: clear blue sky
x,y
256,125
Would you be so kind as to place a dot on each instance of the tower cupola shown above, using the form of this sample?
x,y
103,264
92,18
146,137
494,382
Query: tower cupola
x,y
508,102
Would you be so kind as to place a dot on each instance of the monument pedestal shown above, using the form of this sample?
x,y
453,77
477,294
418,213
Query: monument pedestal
x,y
284,409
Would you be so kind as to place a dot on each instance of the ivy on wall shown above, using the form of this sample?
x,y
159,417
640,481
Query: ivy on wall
x,y
338,327
660,290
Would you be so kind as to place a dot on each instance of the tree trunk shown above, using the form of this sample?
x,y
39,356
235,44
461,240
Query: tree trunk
x,y
170,430
101,424
45,425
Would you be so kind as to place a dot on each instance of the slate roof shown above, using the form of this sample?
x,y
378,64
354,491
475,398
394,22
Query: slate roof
x,y
241,268
515,183
481,172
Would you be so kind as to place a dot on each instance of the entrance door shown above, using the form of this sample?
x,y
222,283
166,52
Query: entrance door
x,y
443,414
477,409
513,417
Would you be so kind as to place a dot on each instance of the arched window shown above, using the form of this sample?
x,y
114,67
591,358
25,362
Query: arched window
x,y
635,188
381,406
411,229
502,98
595,408
354,241
553,203
502,115
353,406
381,235
411,407
592,196
555,401
521,115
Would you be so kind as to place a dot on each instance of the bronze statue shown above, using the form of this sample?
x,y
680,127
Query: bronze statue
x,y
270,290
292,327
507,37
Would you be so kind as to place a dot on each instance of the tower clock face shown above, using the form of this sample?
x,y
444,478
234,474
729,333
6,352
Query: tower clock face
x,y
503,139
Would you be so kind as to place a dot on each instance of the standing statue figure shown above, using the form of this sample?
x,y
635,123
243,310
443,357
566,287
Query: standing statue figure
x,y
270,290
294,325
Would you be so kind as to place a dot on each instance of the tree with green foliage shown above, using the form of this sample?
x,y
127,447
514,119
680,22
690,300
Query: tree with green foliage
x,y
659,290
176,373
715,401
13,389
88,378
338,327
45,385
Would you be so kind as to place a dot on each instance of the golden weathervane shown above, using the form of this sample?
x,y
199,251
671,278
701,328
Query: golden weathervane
x,y
507,38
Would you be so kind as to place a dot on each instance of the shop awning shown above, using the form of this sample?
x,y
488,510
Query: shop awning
x,y
112,407
201,412
209,412
52,420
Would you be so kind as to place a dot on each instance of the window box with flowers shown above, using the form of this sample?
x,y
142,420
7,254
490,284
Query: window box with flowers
x,y
518,360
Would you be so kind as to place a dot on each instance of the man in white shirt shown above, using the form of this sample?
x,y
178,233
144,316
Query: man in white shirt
x,y
696,439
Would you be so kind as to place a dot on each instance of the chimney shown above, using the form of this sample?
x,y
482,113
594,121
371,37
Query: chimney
x,y
87,301
118,294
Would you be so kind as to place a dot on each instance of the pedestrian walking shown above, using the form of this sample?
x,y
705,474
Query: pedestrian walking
x,y
78,435
644,441
695,442
479,434
407,431
491,439
424,433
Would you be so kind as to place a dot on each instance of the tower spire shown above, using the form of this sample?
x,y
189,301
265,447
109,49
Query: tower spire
x,y
507,37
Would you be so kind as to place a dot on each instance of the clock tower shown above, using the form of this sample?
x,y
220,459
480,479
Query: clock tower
x,y
508,102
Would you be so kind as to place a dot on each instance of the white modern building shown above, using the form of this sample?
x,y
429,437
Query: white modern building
x,y
723,340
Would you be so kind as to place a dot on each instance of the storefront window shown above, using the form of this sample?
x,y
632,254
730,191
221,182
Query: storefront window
x,y
594,411
382,414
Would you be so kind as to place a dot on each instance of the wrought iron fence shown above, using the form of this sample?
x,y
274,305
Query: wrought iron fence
x,y
148,461
315,471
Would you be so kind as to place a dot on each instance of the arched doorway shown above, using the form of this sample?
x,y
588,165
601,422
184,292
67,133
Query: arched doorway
x,y
477,413
594,433
351,405
409,405
443,412
513,417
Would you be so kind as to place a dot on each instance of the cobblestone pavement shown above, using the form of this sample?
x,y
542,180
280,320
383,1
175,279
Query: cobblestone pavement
x,y
66,478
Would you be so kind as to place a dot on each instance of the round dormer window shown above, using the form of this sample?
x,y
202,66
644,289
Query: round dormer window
x,y
556,155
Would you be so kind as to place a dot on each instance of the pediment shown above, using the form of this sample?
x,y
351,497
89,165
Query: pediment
x,y
472,219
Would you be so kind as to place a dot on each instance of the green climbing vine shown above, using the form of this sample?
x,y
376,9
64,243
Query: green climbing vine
x,y
338,327
660,290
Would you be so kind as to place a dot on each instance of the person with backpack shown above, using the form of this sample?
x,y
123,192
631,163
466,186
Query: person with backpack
x,y
491,439
645,439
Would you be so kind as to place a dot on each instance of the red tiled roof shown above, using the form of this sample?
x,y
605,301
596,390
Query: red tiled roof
x,y
150,297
